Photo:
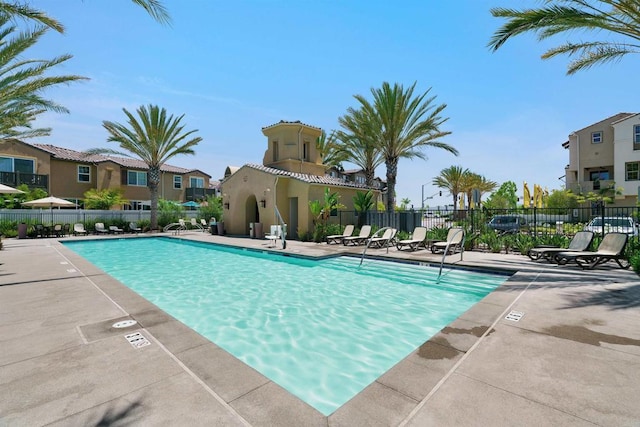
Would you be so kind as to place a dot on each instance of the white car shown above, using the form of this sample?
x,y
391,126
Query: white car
x,y
619,224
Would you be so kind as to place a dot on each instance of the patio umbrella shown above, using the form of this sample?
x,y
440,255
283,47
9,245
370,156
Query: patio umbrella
x,y
5,189
50,202
191,204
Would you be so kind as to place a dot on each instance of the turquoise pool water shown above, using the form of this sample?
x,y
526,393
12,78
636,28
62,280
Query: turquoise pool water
x,y
323,329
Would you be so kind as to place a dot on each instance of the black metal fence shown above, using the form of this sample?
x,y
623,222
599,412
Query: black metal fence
x,y
531,220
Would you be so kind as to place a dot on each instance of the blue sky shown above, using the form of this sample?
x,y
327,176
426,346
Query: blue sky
x,y
234,67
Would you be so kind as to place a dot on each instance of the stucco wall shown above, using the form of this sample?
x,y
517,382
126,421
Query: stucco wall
x,y
624,153
14,148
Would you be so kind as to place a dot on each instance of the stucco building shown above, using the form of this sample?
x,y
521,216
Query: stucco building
x,y
68,174
292,175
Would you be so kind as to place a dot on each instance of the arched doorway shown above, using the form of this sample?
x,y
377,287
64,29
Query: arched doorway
x,y
251,212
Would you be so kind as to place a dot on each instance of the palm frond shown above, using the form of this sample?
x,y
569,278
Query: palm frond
x,y
25,12
155,9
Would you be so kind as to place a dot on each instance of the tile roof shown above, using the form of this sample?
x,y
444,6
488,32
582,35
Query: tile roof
x,y
296,122
78,156
312,179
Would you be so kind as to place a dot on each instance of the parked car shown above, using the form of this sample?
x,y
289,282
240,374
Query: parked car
x,y
620,224
507,223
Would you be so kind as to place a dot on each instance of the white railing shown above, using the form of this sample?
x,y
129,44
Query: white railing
x,y
283,235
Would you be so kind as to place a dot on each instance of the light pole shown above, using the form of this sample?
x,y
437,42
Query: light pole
x,y
430,197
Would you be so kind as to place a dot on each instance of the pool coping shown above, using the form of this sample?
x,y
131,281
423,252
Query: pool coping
x,y
434,357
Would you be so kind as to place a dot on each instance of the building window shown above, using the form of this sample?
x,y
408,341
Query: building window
x,y
596,137
598,175
177,182
305,151
196,182
12,164
636,137
632,171
84,174
138,179
138,205
274,149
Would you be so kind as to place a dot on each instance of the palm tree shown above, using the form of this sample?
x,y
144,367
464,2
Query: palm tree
x,y
154,139
358,142
154,8
469,182
22,82
330,150
452,180
403,125
485,186
617,17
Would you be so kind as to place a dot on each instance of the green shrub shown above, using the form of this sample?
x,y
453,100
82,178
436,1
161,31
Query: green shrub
x,y
523,243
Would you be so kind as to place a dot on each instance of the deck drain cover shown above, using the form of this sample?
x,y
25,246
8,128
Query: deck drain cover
x,y
137,340
124,324
514,316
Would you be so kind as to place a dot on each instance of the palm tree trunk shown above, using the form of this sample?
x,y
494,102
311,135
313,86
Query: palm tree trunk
x,y
154,180
369,176
392,172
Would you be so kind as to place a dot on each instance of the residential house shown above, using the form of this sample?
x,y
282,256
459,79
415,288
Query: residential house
x,y
68,174
605,154
292,175
357,176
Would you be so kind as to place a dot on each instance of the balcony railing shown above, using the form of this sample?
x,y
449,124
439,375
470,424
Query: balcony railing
x,y
32,180
194,194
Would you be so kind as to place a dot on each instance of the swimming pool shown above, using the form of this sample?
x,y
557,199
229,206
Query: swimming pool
x,y
322,329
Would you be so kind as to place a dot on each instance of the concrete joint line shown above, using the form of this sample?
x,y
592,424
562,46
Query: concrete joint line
x,y
465,355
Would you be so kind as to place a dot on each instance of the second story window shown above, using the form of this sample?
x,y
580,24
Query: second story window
x,y
84,173
636,137
138,179
15,164
196,182
305,151
177,182
596,137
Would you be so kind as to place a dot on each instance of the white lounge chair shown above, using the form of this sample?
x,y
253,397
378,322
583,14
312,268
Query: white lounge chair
x,y
417,239
384,240
100,228
194,224
78,229
133,227
455,236
115,229
337,238
361,238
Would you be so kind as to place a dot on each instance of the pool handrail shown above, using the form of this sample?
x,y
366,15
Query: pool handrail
x,y
446,249
283,235
364,252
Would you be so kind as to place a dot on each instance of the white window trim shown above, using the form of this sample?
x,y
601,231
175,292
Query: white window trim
x,y
174,182
196,177
636,134
593,137
137,174
79,173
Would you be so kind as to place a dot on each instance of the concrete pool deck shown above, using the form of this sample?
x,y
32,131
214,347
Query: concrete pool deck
x,y
572,359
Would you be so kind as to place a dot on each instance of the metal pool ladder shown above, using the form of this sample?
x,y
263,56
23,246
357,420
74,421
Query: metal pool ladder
x,y
446,249
364,252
